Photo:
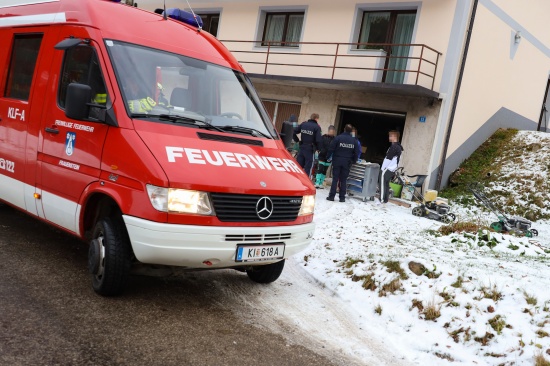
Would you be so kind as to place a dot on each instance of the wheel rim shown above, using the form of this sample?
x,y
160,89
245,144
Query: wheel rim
x,y
101,268
447,219
417,211
452,216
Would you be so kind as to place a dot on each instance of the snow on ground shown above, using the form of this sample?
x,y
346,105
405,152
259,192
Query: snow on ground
x,y
491,291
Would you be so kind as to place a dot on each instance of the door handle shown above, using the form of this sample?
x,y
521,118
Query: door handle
x,y
52,130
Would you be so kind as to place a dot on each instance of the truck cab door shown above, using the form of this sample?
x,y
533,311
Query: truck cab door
x,y
21,61
70,150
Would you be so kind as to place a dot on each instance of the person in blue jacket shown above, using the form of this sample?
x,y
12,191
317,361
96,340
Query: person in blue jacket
x,y
343,152
356,135
310,141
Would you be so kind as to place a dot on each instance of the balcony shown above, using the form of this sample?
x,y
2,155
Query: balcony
x,y
406,69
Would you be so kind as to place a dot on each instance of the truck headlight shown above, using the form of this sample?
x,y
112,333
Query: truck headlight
x,y
308,206
179,200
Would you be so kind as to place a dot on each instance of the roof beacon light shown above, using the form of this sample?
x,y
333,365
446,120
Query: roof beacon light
x,y
185,17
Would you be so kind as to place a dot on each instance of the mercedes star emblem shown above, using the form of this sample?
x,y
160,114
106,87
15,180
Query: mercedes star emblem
x,y
264,208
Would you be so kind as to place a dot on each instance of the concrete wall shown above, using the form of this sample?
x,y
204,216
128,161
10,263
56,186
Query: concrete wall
x,y
504,81
417,137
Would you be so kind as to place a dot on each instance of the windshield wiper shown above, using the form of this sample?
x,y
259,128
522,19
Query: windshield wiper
x,y
251,131
187,120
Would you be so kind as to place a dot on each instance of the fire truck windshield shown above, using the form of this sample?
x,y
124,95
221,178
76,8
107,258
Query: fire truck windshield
x,y
157,83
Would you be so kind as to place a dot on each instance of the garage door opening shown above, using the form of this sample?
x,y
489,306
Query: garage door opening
x,y
372,129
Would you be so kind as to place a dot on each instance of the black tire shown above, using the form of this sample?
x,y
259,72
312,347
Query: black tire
x,y
267,273
110,266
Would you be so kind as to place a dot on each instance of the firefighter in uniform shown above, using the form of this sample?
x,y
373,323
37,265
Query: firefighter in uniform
x,y
343,152
310,141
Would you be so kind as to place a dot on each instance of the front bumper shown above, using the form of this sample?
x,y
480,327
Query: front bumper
x,y
191,246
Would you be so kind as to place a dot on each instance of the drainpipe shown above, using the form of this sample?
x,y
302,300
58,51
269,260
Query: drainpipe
x,y
455,99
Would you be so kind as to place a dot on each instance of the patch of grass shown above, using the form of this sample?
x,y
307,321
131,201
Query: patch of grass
x,y
497,323
378,309
458,282
432,311
513,247
493,354
540,360
369,283
461,227
432,274
491,292
485,339
395,267
446,295
444,356
455,335
476,167
542,333
391,287
350,262
530,299
433,232
417,304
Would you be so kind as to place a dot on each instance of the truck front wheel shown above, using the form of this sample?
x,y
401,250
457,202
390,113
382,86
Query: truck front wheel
x,y
267,273
109,257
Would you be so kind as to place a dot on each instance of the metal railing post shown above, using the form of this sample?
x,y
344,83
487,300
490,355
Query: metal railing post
x,y
435,70
419,64
267,57
335,59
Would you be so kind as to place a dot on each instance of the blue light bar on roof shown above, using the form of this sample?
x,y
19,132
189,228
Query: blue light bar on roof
x,y
184,16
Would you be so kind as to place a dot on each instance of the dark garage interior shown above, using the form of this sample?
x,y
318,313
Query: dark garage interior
x,y
372,129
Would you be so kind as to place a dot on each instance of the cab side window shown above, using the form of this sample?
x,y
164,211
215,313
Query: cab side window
x,y
22,65
82,66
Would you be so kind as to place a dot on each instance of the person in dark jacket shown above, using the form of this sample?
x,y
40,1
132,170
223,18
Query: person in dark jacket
x,y
356,135
310,142
389,165
343,152
323,151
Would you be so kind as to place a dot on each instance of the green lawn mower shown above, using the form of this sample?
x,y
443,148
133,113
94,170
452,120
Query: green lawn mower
x,y
515,225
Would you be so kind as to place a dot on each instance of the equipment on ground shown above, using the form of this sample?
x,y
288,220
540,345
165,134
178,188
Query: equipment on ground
x,y
431,206
513,224
363,180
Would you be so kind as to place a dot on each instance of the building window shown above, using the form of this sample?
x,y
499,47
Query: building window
x,y
283,29
210,22
22,65
389,27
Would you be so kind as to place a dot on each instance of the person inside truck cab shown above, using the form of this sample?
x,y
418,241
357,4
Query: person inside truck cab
x,y
81,65
138,102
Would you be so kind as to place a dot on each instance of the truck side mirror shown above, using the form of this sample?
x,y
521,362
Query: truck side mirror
x,y
77,100
287,131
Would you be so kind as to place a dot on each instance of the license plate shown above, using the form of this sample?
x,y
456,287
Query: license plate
x,y
252,253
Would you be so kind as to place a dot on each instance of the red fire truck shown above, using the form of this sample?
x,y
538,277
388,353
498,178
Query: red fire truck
x,y
143,136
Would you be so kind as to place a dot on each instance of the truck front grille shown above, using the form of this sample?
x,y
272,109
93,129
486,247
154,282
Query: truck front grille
x,y
243,208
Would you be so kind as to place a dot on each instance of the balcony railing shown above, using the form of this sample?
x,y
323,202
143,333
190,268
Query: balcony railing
x,y
414,64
